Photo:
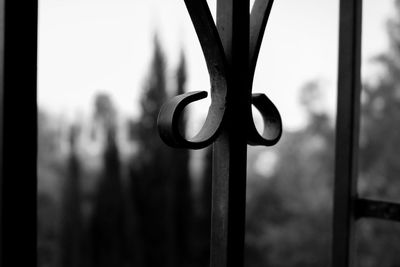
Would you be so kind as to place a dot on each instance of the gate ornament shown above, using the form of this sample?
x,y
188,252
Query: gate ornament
x,y
221,83
231,49
231,72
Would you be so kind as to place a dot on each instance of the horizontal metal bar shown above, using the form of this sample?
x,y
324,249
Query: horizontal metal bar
x,y
367,208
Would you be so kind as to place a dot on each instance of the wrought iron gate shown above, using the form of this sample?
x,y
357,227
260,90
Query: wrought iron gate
x,y
231,50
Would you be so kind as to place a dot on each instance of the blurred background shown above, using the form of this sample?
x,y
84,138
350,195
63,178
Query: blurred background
x,y
110,193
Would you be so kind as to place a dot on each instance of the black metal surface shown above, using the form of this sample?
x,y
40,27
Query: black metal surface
x,y
230,148
19,132
347,131
231,49
210,39
272,120
258,21
216,64
368,208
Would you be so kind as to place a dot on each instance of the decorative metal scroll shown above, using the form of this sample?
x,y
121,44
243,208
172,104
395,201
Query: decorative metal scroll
x,y
170,113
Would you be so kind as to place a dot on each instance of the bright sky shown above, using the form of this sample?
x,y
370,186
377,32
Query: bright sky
x,y
86,46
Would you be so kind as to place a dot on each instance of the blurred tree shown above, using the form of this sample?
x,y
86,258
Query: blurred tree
x,y
379,152
150,171
50,171
160,177
182,196
105,114
289,204
109,221
48,249
289,211
154,95
203,214
71,224
380,112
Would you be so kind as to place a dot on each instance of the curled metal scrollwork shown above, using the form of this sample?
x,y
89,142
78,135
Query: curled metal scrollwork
x,y
210,42
272,120
170,113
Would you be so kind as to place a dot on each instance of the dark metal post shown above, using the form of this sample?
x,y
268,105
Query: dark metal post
x,y
347,131
2,23
231,49
18,43
230,149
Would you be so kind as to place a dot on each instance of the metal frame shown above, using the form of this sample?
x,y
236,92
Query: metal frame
x,y
231,73
347,206
18,43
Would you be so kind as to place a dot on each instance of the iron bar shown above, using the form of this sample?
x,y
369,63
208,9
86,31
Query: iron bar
x,y
230,148
231,50
347,131
368,208
170,113
18,133
2,26
258,21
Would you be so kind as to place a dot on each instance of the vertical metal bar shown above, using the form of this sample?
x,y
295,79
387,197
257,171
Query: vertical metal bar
x,y
2,26
230,149
347,130
18,133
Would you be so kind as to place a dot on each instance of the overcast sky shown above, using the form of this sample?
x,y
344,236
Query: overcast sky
x,y
86,46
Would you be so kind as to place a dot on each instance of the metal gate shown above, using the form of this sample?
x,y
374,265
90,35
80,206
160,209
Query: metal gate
x,y
231,70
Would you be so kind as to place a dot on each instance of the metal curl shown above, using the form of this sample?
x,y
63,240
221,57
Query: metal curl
x,y
272,122
270,114
169,118
170,113
217,67
258,21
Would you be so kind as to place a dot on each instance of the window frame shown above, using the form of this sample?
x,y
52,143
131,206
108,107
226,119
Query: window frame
x,y
18,132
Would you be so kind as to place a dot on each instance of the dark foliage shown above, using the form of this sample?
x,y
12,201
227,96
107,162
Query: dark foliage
x,y
71,232
160,177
